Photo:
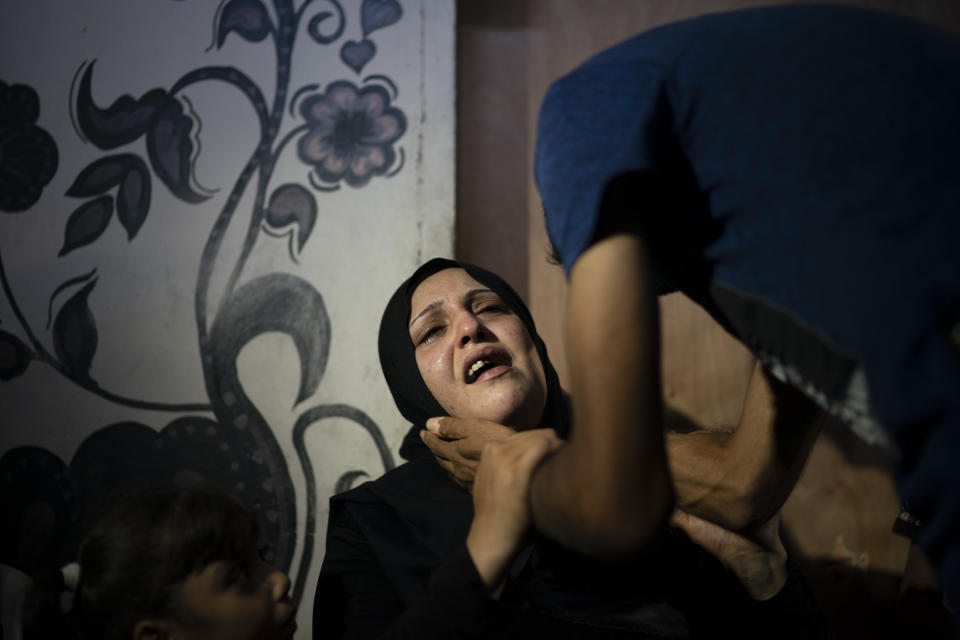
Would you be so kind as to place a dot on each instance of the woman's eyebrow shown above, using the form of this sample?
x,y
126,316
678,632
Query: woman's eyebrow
x,y
475,292
469,295
428,308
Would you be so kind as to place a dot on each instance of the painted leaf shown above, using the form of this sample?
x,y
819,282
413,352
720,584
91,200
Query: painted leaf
x,y
133,197
14,356
377,14
75,333
247,18
169,147
275,302
313,28
99,176
292,204
87,223
122,122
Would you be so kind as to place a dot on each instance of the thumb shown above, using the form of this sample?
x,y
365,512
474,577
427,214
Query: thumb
x,y
708,535
446,427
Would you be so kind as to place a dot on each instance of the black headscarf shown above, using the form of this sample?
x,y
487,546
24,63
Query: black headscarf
x,y
399,363
414,516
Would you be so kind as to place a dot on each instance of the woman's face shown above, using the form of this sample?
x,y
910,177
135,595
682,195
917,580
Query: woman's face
x,y
475,356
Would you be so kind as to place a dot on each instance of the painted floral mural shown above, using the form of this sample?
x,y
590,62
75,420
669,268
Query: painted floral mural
x,y
352,133
346,132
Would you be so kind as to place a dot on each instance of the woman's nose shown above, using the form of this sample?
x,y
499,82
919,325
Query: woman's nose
x,y
469,329
279,584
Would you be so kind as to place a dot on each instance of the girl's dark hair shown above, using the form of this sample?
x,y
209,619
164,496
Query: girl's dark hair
x,y
133,557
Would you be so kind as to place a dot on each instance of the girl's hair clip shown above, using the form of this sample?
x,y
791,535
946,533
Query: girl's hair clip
x,y
71,576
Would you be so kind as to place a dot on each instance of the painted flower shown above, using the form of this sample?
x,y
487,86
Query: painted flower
x,y
352,131
28,155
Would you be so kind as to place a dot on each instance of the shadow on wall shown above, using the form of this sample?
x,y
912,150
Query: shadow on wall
x,y
860,602
882,587
859,598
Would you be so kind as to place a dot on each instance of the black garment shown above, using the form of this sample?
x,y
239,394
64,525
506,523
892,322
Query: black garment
x,y
396,559
397,566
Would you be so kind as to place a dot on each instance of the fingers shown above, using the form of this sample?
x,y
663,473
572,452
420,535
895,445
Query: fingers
x,y
767,535
460,444
462,476
715,538
455,451
461,469
703,532
441,449
450,428
447,466
686,520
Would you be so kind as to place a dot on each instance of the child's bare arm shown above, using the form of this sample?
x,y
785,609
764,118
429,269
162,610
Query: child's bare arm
x,y
609,491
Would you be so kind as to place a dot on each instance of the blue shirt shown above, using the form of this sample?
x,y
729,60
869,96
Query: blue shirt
x,y
795,170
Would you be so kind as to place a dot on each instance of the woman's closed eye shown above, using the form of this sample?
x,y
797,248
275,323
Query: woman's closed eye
x,y
428,334
490,307
487,302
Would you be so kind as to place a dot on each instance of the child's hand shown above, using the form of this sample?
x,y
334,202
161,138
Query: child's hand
x,y
757,557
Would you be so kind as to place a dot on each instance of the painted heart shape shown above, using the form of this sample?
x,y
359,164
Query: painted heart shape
x,y
377,14
357,54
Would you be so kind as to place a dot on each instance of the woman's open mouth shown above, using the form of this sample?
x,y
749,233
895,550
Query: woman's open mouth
x,y
487,366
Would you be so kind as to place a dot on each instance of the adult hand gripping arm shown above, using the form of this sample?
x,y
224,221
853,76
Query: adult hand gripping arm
x,y
740,479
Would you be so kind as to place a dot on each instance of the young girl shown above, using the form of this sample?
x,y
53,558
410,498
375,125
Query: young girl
x,y
175,563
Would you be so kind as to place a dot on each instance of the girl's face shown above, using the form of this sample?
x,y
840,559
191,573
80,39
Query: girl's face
x,y
475,356
241,599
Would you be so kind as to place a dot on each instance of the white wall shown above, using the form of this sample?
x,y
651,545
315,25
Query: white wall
x,y
111,378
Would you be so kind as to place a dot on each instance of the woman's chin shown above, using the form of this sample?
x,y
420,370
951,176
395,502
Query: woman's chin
x,y
517,415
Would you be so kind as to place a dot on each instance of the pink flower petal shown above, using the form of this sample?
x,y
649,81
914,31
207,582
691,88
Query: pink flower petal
x,y
315,147
372,104
342,97
366,160
384,129
335,164
322,111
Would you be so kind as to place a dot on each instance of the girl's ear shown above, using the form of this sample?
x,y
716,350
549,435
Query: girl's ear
x,y
153,629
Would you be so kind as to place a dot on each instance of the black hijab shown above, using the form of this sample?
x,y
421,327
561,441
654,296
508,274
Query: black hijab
x,y
399,363
415,516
